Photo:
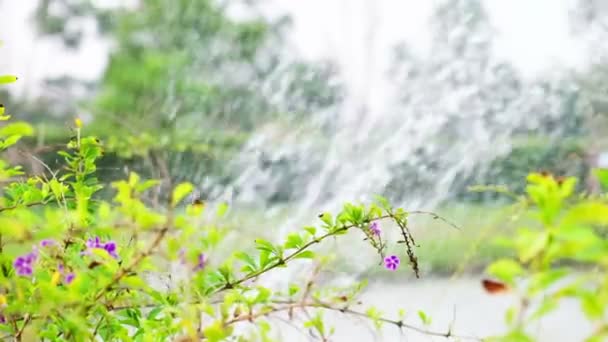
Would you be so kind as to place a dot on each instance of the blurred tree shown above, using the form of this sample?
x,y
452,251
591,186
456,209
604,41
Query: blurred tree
x,y
589,21
186,76
472,105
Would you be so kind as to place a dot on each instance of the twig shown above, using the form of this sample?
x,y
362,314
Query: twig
x,y
435,217
26,321
290,256
31,204
124,271
321,305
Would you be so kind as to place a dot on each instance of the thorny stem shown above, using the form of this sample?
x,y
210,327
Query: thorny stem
x,y
408,239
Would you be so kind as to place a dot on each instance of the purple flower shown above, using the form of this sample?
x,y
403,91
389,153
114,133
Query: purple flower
x,y
201,261
24,264
94,243
391,262
69,278
2,319
109,246
375,228
47,243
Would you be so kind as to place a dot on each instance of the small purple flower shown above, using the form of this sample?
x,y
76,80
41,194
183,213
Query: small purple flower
x,y
24,264
391,262
31,257
94,243
2,319
47,243
69,278
201,261
375,228
109,246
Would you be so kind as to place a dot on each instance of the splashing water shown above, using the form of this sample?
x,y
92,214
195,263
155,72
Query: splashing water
x,y
453,112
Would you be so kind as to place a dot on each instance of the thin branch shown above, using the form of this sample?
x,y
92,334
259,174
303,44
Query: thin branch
x,y
124,271
31,204
321,305
26,321
435,217
290,256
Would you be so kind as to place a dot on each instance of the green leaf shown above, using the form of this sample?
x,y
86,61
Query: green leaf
x,y
135,282
10,141
591,306
250,263
375,315
305,255
541,281
426,320
590,212
383,202
264,245
215,332
294,240
548,305
5,79
293,289
147,185
510,315
602,176
505,270
327,219
311,230
222,208
154,312
536,245
17,128
180,192
317,323
263,295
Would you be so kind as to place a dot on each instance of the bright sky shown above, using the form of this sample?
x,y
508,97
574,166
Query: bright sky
x,y
534,35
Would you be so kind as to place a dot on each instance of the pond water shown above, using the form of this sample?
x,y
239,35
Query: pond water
x,y
463,302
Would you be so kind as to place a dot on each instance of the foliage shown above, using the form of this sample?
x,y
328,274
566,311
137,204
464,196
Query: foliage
x,y
564,157
181,68
74,267
562,256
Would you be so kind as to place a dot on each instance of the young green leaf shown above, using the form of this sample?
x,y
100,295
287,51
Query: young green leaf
x,y
180,192
4,79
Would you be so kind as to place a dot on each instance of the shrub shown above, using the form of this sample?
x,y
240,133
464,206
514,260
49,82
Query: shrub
x,y
563,256
75,267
